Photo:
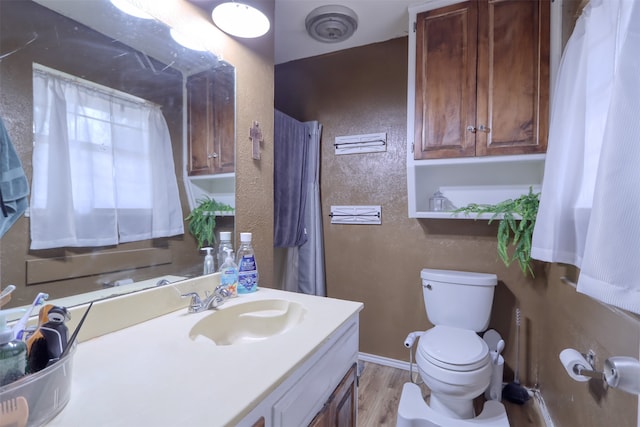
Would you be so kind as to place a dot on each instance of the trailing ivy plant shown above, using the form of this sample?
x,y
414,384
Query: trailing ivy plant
x,y
202,220
517,219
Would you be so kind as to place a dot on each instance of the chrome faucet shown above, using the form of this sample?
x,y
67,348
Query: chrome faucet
x,y
214,300
162,282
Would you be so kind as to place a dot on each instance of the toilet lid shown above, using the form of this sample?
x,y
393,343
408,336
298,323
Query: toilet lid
x,y
453,348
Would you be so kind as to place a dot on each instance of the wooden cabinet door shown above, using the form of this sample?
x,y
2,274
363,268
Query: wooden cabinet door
x,y
344,401
322,419
211,121
482,79
513,77
340,409
446,50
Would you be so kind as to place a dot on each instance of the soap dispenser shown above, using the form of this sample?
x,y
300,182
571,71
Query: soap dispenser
x,y
208,261
13,353
229,274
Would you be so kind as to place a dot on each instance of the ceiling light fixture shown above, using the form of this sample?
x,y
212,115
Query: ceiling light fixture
x,y
332,23
131,8
240,20
186,41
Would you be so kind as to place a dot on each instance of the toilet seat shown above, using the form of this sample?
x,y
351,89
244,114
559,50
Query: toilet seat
x,y
453,349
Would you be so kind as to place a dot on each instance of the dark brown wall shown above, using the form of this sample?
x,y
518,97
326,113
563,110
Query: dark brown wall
x,y
72,48
363,90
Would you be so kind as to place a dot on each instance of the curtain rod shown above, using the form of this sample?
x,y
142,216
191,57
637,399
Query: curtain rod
x,y
105,90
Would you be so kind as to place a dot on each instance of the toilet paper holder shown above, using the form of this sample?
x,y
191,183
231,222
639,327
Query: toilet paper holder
x,y
619,372
588,371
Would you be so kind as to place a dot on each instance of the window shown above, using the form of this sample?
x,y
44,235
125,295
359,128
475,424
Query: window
x,y
103,169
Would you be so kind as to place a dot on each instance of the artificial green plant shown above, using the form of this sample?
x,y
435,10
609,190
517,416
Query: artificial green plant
x,y
517,219
202,220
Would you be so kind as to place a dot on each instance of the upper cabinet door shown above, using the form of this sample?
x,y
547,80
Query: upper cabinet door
x,y
482,79
513,77
211,143
445,101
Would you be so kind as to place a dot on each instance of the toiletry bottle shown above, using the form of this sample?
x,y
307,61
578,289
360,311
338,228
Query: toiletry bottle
x,y
247,266
208,261
225,243
229,274
13,354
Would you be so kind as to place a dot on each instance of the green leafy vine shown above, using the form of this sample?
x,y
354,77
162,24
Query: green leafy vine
x,y
202,220
517,220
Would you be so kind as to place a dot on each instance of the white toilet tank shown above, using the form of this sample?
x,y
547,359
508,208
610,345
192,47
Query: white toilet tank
x,y
460,299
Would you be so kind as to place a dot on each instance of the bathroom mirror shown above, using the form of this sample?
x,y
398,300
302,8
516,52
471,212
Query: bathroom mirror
x,y
93,40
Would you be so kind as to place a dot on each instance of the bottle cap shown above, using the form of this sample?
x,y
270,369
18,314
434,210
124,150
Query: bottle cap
x,y
225,235
245,237
229,257
208,249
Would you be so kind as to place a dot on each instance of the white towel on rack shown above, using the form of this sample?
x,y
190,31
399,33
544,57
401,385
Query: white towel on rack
x,y
584,178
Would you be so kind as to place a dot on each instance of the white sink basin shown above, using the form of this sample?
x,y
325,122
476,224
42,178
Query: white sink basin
x,y
249,322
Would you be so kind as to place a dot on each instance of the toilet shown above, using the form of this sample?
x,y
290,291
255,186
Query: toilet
x,y
453,360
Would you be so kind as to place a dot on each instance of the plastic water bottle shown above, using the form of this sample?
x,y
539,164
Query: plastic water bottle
x,y
247,266
225,244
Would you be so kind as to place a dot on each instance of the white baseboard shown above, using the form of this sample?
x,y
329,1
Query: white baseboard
x,y
386,361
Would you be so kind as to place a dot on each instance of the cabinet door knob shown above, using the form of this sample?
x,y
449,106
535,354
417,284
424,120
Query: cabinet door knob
x,y
483,128
212,156
471,129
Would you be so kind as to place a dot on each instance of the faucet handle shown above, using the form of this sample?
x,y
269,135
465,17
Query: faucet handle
x,y
195,298
222,291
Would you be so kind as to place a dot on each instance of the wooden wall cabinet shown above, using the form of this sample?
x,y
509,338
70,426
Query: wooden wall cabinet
x,y
479,80
482,79
211,121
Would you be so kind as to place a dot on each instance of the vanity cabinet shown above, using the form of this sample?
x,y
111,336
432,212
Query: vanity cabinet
x,y
211,139
478,95
482,79
340,409
322,392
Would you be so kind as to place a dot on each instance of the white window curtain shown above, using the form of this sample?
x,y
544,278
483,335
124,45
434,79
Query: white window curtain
x,y
103,169
589,212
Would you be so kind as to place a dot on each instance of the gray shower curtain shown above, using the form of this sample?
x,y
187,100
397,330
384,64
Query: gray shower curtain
x,y
298,239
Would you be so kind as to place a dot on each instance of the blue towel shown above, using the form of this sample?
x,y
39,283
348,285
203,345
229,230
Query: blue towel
x,y
291,144
14,187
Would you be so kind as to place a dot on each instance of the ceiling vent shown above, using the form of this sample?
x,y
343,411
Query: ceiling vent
x,y
331,24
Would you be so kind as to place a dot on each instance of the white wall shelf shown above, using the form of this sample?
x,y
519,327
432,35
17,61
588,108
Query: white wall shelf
x,y
220,187
487,180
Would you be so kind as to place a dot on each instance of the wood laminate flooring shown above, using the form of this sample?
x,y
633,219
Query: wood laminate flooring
x,y
379,394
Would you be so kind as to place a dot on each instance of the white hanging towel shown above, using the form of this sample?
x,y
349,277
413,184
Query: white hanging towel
x,y
591,168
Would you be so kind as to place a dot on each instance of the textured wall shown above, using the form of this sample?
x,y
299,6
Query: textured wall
x,y
253,60
363,90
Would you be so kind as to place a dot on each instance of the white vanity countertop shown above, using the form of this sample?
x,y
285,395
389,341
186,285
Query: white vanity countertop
x,y
153,374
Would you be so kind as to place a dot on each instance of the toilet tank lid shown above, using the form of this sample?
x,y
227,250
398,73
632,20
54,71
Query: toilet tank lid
x,y
462,277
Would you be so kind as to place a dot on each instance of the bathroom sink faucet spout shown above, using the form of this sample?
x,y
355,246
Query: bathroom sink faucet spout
x,y
214,300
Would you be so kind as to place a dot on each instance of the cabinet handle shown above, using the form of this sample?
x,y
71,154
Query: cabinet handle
x,y
212,156
483,128
471,129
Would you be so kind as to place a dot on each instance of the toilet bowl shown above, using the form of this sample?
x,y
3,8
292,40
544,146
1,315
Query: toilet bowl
x,y
455,364
453,360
